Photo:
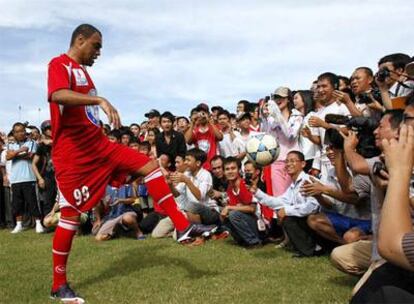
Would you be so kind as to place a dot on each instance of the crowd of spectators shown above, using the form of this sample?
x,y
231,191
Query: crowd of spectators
x,y
342,184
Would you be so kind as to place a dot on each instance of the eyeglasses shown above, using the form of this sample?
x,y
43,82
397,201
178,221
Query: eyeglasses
x,y
292,161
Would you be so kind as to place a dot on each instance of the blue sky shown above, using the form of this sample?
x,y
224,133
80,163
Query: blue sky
x,y
171,55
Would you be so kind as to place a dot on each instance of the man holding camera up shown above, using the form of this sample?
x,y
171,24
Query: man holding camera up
x,y
391,79
388,129
203,133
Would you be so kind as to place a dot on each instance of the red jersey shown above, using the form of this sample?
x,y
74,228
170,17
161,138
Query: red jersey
x,y
77,136
84,159
244,196
207,142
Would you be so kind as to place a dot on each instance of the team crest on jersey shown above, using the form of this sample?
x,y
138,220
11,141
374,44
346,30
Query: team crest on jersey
x,y
80,77
92,112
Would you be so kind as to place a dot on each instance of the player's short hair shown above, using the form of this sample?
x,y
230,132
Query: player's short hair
x,y
86,30
198,154
298,154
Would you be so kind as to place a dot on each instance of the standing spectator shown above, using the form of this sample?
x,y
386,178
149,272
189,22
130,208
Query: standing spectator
x,y
391,79
284,125
153,119
169,141
152,134
303,102
242,108
328,84
204,134
43,169
135,129
6,168
231,144
22,178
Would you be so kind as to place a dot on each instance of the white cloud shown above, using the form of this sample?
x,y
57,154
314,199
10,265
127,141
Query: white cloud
x,y
171,54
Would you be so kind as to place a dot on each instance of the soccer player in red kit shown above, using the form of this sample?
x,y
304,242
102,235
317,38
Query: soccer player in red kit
x,y
85,160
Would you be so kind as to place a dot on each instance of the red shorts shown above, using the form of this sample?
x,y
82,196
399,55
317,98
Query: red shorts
x,y
82,184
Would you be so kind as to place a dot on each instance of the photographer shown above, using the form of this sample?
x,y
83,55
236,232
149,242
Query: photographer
x,y
203,133
393,282
391,79
367,98
387,129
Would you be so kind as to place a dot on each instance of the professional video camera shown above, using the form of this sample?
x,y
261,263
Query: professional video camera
x,y
364,126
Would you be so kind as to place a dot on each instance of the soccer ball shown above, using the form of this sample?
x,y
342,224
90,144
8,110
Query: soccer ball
x,y
263,149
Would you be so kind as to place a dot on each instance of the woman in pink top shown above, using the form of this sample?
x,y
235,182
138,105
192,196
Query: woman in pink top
x,y
284,124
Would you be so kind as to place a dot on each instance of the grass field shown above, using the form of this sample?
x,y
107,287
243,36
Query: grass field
x,y
160,271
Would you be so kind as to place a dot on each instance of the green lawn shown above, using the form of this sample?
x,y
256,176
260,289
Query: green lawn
x,y
160,271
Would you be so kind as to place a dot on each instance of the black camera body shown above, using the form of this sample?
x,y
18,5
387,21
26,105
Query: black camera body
x,y
365,127
366,99
382,74
248,178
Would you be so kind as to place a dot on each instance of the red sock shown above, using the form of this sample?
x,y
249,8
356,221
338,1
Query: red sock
x,y
160,192
62,243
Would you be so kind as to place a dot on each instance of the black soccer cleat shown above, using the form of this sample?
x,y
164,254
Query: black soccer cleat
x,y
195,230
66,295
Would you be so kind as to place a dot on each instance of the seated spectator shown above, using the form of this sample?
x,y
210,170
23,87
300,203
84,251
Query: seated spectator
x,y
293,208
344,218
122,216
218,192
198,182
165,226
239,214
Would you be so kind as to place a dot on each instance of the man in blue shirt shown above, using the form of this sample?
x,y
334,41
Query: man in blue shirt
x,y
22,178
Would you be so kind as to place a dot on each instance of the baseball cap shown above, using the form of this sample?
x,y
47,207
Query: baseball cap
x,y
281,92
152,113
168,115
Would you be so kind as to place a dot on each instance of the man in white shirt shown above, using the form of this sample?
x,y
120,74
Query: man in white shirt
x,y
292,208
327,84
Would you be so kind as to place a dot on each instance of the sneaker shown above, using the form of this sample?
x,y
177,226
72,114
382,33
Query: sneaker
x,y
39,228
17,229
195,230
65,294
